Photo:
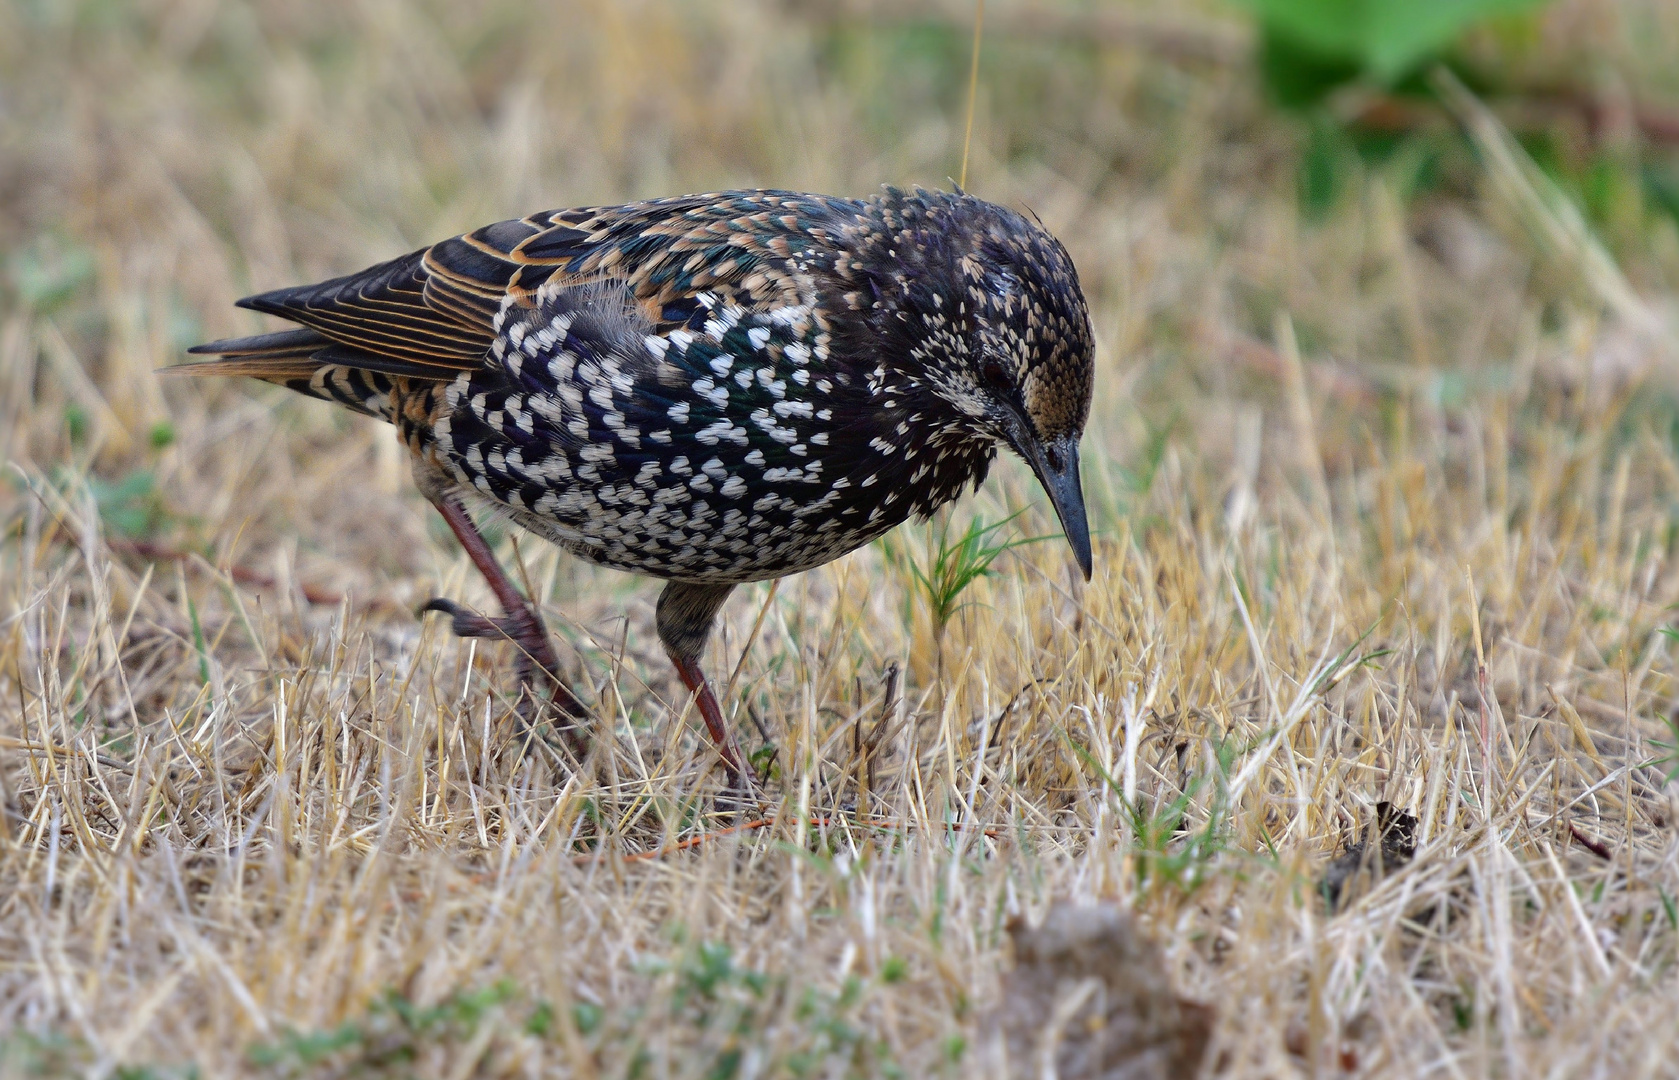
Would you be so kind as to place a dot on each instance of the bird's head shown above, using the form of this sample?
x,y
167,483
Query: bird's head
x,y
988,308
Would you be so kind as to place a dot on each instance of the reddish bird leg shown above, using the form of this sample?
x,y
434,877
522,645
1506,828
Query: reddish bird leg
x,y
522,624
685,614
694,679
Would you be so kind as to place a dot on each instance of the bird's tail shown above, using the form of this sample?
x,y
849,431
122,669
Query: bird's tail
x,y
304,361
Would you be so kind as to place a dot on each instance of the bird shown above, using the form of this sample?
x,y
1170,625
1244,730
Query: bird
x,y
709,389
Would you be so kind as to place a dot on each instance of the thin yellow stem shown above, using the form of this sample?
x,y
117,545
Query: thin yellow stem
x,y
973,90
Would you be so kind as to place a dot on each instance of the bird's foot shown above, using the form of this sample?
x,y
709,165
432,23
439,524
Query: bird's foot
x,y
537,666
516,628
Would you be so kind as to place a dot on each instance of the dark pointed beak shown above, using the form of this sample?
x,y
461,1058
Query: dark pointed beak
x,y
1056,461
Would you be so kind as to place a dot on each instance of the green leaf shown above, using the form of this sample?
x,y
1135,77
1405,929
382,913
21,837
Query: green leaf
x,y
1297,76
1312,46
1399,33
586,1016
1329,28
130,506
1661,189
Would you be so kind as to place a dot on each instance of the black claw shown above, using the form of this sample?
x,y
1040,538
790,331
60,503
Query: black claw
x,y
536,667
464,623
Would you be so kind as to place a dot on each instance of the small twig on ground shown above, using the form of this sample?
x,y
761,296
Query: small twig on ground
x,y
1596,847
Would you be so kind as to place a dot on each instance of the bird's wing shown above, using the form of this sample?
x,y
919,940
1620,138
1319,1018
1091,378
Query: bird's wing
x,y
427,314
432,313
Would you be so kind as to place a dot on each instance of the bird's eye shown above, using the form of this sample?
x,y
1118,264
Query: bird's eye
x,y
997,375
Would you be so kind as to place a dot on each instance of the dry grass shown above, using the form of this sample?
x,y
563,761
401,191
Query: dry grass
x,y
1366,489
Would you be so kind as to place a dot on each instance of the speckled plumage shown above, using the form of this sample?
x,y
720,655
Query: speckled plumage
x,y
711,389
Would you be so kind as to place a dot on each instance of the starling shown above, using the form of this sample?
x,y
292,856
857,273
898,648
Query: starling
x,y
711,389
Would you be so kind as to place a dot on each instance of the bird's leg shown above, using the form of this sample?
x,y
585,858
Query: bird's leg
x,y
685,615
522,624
